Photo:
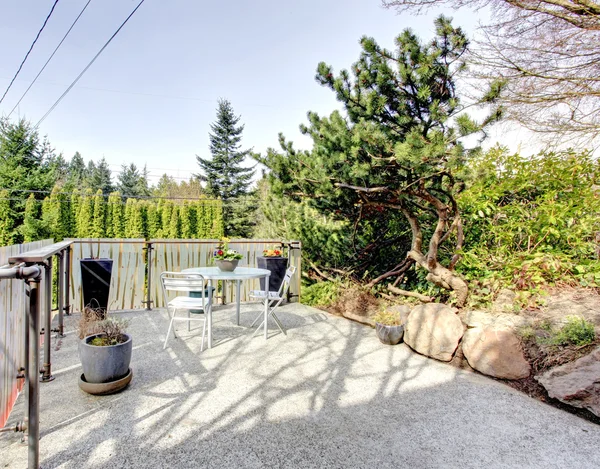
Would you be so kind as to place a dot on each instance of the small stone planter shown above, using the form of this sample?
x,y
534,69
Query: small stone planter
x,y
389,335
227,265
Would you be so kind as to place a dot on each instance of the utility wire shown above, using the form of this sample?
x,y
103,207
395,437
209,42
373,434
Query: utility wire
x,y
49,58
29,51
89,64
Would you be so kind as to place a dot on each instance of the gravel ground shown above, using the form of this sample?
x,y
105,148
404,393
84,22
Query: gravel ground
x,y
326,395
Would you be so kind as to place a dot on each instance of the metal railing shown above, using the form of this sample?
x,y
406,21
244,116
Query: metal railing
x,y
35,269
136,261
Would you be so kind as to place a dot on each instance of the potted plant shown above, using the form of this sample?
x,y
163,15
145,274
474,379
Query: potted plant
x,y
274,261
105,353
389,327
225,258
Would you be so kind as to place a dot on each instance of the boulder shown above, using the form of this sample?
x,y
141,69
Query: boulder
x,y
402,310
495,352
576,383
475,318
434,330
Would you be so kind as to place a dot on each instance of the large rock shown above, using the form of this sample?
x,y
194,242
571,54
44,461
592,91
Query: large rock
x,y
576,383
476,318
495,352
434,330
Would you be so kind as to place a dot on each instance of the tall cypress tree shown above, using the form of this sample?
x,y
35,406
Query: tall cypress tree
x,y
32,226
117,215
98,229
86,212
224,174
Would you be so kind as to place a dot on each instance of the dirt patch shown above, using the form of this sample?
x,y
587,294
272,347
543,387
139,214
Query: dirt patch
x,y
357,301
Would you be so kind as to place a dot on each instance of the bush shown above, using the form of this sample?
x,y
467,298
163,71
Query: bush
x,y
321,293
577,331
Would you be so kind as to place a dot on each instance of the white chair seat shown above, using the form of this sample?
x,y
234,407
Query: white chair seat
x,y
187,302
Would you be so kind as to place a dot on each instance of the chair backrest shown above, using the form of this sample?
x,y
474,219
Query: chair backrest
x,y
285,284
182,282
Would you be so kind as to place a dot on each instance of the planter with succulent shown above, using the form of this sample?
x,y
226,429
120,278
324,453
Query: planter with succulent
x,y
389,327
274,261
105,353
226,259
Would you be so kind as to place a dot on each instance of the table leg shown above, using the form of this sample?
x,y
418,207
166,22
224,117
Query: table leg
x,y
266,306
237,300
209,317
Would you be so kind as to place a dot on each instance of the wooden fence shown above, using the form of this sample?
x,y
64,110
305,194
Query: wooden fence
x,y
128,272
12,329
128,282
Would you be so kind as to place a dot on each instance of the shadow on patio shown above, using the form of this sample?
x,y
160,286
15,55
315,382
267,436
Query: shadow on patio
x,y
327,395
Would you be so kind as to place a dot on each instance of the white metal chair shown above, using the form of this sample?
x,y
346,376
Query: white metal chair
x,y
199,305
275,298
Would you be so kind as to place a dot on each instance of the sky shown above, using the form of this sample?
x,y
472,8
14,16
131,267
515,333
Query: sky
x,y
151,96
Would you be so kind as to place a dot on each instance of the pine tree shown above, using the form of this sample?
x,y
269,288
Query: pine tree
x,y
224,176
98,221
101,178
131,182
77,170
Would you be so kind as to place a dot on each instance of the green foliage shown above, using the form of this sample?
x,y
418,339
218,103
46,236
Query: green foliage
x,y
132,183
577,331
321,293
99,218
388,318
32,227
85,215
531,221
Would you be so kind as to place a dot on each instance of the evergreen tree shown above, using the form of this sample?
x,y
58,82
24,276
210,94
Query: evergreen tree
x,y
32,228
100,177
216,220
152,220
166,218
98,221
6,220
86,213
74,215
188,220
392,164
224,174
117,215
26,163
56,215
175,224
77,170
131,182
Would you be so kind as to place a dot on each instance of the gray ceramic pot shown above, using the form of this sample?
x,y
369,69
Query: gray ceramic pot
x,y
104,364
227,266
389,335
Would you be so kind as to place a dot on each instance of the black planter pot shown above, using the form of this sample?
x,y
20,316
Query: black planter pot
x,y
103,364
95,281
389,335
277,266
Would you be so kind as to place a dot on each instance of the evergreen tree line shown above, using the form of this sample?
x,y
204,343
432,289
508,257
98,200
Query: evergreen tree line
x,y
89,215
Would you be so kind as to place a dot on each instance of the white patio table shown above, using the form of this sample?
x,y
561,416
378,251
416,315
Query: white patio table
x,y
239,274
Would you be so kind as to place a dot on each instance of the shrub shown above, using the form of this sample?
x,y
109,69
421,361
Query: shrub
x,y
389,318
577,331
321,293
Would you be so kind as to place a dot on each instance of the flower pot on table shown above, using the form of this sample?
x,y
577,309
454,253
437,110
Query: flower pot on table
x,y
225,265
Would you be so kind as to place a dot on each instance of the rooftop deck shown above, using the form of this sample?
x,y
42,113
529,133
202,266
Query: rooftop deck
x,y
326,395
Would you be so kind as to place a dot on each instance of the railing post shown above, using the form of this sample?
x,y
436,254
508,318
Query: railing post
x,y
60,296
68,281
148,301
33,371
47,371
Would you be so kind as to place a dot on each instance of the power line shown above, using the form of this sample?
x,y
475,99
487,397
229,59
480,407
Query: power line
x,y
29,51
49,58
89,64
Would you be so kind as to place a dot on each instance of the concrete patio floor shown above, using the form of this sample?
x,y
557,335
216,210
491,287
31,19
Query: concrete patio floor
x,y
327,395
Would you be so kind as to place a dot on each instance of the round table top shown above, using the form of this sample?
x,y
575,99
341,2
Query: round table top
x,y
240,273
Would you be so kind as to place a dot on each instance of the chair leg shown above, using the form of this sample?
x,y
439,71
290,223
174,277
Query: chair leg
x,y
281,328
168,332
203,334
